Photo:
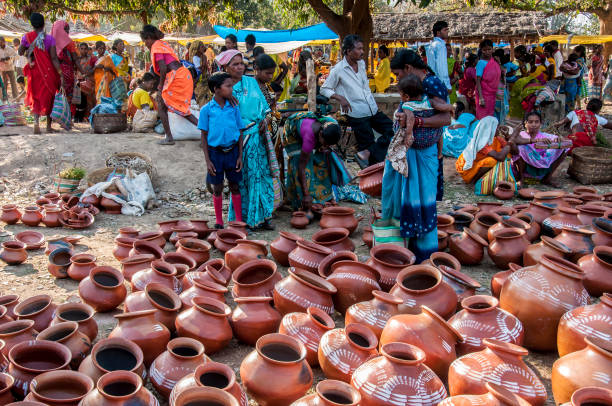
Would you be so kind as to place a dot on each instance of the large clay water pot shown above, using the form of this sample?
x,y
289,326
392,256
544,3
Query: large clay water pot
x,y
547,246
389,260
338,216
374,313
255,278
245,251
32,216
307,328
508,246
283,245
467,247
597,268
301,290
103,289
354,282
113,354
331,392
39,308
208,322
254,317
81,313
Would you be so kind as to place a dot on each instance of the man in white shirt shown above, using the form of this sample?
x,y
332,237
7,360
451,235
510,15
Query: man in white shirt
x,y
558,57
6,67
436,53
349,85
20,60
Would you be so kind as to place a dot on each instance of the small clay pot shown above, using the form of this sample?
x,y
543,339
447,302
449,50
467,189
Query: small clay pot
x,y
467,247
462,219
160,272
508,245
580,241
206,321
283,245
254,317
507,222
59,261
389,260
201,228
10,214
60,388
13,252
157,297
301,290
68,334
354,282
175,258
483,222
103,289
308,255
245,251
128,232
446,223
166,227
338,216
80,266
39,308
307,328
255,278
123,246
9,301
51,216
374,313
32,216
226,239
119,388
113,354
203,288
597,268
442,240
547,246
15,332
32,239
133,264
81,313
146,247
299,220
110,206
371,179
603,231
504,190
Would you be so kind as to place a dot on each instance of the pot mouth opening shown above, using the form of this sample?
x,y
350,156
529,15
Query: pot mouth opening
x,y
554,244
338,397
185,351
604,254
58,334
488,219
255,274
120,388
106,279
162,299
479,303
16,326
321,318
78,388
211,306
280,352
14,245
361,336
403,353
114,357
75,314
509,348
603,224
33,307
8,299
562,266
393,257
280,349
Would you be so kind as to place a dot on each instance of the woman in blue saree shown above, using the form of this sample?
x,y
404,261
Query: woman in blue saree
x,y
457,135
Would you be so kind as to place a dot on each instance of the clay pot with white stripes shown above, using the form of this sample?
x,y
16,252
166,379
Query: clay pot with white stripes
x,y
307,328
301,290
354,282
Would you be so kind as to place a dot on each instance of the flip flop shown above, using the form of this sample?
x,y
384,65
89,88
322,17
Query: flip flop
x,y
361,162
165,142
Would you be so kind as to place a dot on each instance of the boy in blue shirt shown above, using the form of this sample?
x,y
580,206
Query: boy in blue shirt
x,y
222,132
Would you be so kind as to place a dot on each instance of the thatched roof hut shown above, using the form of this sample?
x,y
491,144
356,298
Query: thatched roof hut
x,y
464,27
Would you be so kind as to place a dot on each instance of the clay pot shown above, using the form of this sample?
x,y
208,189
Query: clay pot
x,y
548,246
468,208
32,239
280,359
579,190
420,285
180,258
325,267
471,372
6,383
504,190
201,228
338,216
538,296
203,288
482,318
60,388
565,217
181,358
209,275
354,282
498,280
29,359
59,261
13,252
299,220
592,320
166,227
39,308
145,331
157,297
283,245
591,395
367,236
343,350
54,197
160,272
462,219
180,228
226,239
580,241
110,206
428,331
533,232
331,392
254,317
371,179
467,247
209,376
238,226
401,363
119,388
80,266
301,290
245,251
206,321
488,206
539,211
446,223
587,213
308,255
374,313
54,243
197,250
103,289
336,239
128,232
133,264
582,368
496,395
15,332
9,301
483,222
113,354
68,334
307,328
508,245
591,197
10,214
504,211
463,285
146,247
389,260
182,235
255,278
550,197
32,216
507,222
123,246
218,264
80,313
597,269
51,217
156,237
603,232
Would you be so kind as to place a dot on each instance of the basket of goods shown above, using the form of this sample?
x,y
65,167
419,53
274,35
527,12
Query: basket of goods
x,y
107,123
106,175
135,161
591,165
67,181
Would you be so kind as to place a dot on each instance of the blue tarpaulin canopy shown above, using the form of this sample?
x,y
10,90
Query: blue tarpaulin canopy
x,y
312,33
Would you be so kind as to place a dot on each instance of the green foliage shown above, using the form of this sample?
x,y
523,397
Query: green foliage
x,y
74,173
602,141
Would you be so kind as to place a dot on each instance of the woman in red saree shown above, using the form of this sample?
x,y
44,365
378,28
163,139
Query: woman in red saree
x,y
584,124
488,75
43,71
175,84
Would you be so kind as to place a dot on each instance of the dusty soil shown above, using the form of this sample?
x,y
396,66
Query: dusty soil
x,y
28,163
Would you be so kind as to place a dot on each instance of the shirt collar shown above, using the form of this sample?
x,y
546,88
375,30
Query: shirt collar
x,y
439,39
345,64
217,104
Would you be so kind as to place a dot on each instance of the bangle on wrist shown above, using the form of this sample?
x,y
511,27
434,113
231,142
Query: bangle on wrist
x,y
418,122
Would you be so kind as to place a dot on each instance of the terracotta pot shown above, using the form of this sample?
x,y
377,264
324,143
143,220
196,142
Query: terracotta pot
x,y
146,247
539,211
508,245
197,250
580,241
119,388
210,274
280,359
593,320
145,331
331,392
181,358
80,313
507,222
15,332
587,213
203,288
579,190
428,331
398,362
307,328
468,208
550,197
157,297
6,383
338,216
565,217
103,289
471,372
54,197
343,350
299,220
113,354
9,302
133,264
128,232
420,285
483,222
496,395
60,388
218,264
181,227
166,227
39,308
68,334
175,258
591,197
591,395
482,318
533,232
80,266
371,178
603,231
367,236
226,239
206,321
597,268
354,282
446,223
540,295
308,255
10,214
32,239
255,278
582,368
572,202
204,396
238,226
463,285
498,280
51,217
254,317
325,267
59,261
110,206
504,190
245,251
211,375
182,235
389,260
301,290
488,206
160,272
336,239
374,313
123,246
156,237
32,216
467,247
283,245
462,219
548,246
442,240
13,252
29,359
201,227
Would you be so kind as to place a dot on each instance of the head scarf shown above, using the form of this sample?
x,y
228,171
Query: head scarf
x,y
226,56
62,39
483,136
193,50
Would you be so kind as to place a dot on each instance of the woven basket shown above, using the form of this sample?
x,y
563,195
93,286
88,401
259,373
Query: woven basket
x,y
63,185
101,175
591,165
121,157
109,123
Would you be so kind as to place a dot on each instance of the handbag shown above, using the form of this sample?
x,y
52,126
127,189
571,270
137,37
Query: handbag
x,y
117,89
61,110
76,94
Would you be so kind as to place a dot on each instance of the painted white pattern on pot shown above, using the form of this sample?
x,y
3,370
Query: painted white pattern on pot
x,y
302,301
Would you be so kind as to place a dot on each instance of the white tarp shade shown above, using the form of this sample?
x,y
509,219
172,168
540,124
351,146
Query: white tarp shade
x,y
270,48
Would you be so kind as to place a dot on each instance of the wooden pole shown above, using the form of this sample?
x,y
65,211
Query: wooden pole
x,y
512,49
311,80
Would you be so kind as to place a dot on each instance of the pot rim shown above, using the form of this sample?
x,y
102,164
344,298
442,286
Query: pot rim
x,y
71,326
554,244
218,367
166,222
7,207
311,246
254,263
138,259
204,246
360,265
302,277
74,306
260,244
459,277
33,299
547,206
446,256
83,255
136,314
11,298
208,285
108,270
475,237
410,354
150,235
592,209
119,375
522,215
339,211
25,323
517,233
158,264
450,220
215,395
453,331
491,301
216,275
62,374
315,311
41,237
606,299
596,225
391,247
198,301
8,381
505,347
126,241
577,230
117,342
282,339
377,167
229,235
601,346
339,387
58,251
13,245
50,345
290,236
419,270
324,265
387,297
363,331
128,229
591,395
504,395
169,293
185,342
562,266
151,248
478,218
339,230
602,249
487,203
515,222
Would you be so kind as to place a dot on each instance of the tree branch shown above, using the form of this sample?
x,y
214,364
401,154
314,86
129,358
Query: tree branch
x,y
361,10
328,15
88,12
347,6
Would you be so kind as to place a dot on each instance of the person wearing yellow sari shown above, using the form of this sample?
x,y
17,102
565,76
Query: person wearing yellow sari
x,y
197,56
104,72
121,60
382,77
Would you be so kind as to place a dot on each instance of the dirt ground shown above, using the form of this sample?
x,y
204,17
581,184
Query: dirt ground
x,y
28,163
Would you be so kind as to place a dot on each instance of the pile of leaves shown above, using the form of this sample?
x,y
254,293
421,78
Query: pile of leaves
x,y
74,173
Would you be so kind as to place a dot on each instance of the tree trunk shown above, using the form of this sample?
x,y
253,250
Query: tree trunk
x,y
605,28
